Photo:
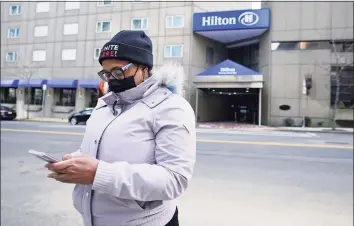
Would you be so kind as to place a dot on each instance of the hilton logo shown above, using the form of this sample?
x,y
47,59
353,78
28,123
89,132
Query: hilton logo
x,y
246,18
217,20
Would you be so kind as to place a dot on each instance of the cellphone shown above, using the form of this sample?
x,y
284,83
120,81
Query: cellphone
x,y
43,156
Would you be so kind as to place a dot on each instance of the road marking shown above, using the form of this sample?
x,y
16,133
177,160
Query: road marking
x,y
42,131
198,140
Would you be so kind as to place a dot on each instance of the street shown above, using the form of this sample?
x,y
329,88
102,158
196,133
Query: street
x,y
241,178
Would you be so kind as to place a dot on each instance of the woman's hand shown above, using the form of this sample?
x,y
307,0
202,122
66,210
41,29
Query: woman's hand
x,y
79,169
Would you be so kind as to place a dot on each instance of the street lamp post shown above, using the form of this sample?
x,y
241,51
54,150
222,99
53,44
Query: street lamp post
x,y
44,88
28,96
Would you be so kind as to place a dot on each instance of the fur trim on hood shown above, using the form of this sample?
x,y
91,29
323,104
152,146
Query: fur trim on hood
x,y
170,75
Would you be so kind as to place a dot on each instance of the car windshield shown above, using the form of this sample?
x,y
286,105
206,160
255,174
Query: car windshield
x,y
5,108
89,110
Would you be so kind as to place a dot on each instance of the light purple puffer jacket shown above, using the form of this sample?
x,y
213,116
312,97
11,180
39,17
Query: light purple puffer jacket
x,y
147,153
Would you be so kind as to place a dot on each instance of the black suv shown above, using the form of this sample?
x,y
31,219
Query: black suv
x,y
7,113
81,116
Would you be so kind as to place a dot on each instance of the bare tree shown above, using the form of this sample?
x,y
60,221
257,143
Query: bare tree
x,y
341,62
25,73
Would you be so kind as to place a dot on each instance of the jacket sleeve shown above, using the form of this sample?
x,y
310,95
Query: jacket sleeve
x,y
175,154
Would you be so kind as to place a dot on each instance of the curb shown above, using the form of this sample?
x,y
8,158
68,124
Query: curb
x,y
319,131
34,120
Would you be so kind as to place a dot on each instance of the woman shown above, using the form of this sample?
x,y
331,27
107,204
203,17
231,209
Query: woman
x,y
138,152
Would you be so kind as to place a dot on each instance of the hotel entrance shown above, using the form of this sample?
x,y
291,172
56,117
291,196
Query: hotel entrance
x,y
229,92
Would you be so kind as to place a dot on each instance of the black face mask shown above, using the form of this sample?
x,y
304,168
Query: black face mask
x,y
121,85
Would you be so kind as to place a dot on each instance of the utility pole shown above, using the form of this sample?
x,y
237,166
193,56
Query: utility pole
x,y
28,75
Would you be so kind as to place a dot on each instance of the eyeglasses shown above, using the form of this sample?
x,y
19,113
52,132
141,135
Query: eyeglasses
x,y
116,72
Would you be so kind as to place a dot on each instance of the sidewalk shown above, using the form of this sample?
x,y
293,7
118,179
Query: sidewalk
x,y
233,126
316,129
252,127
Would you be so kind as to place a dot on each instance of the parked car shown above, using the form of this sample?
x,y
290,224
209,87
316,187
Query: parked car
x,y
7,113
81,116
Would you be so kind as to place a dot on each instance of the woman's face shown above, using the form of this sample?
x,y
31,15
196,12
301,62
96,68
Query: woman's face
x,y
140,74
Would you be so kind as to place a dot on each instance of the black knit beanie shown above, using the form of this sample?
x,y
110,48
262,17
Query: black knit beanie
x,y
133,46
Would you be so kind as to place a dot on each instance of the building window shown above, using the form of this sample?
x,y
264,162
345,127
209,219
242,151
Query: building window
x,y
103,26
8,95
68,54
40,31
172,51
42,7
346,83
104,3
71,29
39,55
209,55
15,10
11,56
314,45
175,21
139,24
97,52
67,97
342,46
300,45
72,5
34,96
276,46
13,32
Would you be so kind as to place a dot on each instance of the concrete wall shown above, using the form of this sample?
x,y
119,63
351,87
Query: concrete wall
x,y
213,6
85,66
211,108
304,21
198,61
311,20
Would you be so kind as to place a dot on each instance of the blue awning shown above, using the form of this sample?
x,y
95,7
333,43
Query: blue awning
x,y
228,68
231,26
9,82
89,83
35,83
62,83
